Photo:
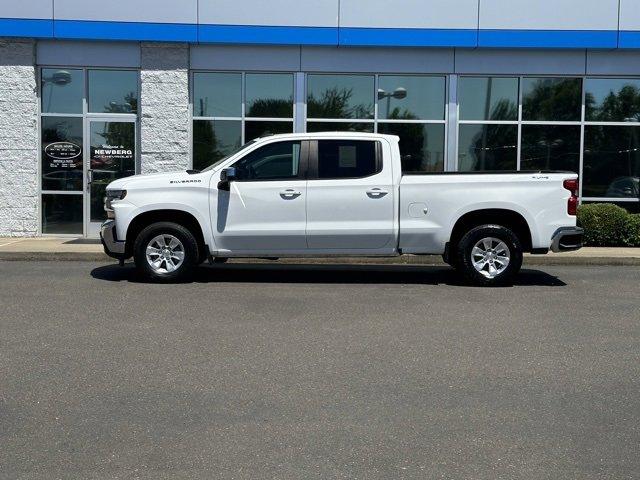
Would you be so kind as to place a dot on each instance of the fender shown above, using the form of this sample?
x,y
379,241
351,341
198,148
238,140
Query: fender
x,y
493,205
200,218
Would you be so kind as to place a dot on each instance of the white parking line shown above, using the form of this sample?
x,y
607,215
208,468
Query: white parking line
x,y
10,243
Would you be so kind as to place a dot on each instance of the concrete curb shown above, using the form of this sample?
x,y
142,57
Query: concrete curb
x,y
434,260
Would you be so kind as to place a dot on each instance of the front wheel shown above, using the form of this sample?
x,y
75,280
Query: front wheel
x,y
165,252
489,255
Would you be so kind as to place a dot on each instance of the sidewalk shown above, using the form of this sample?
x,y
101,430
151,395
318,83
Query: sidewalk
x,y
56,249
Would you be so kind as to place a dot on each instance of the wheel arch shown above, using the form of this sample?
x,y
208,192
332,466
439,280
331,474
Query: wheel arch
x,y
505,217
181,217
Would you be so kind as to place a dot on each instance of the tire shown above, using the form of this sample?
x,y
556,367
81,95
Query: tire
x,y
495,261
173,256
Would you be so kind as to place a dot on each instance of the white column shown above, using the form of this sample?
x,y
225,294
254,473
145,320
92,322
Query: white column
x,y
19,202
164,102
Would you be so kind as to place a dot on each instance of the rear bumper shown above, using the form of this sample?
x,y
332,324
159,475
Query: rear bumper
x,y
112,246
566,239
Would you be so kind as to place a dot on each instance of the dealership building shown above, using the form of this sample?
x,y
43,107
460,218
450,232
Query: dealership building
x,y
91,91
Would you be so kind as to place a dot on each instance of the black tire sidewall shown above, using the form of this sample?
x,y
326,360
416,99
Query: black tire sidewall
x,y
468,241
181,233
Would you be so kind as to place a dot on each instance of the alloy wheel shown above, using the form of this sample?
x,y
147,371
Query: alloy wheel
x,y
165,253
490,256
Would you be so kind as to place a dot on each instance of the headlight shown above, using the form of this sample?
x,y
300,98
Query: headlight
x,y
110,196
116,194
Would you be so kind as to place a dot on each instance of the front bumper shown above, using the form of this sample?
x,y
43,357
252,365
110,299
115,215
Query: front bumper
x,y
112,246
566,239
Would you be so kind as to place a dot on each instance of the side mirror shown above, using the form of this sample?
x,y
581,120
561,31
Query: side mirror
x,y
227,176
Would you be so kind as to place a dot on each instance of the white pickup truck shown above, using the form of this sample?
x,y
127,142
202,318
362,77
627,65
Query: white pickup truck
x,y
337,194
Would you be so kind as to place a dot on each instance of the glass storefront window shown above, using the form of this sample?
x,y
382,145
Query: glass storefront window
x,y
487,147
62,90
421,145
62,153
113,91
62,213
551,99
611,161
340,96
612,100
419,100
410,97
488,98
219,97
269,95
257,128
550,147
214,139
339,127
74,102
217,94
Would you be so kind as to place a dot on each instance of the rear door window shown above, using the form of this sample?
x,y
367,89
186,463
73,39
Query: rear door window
x,y
347,159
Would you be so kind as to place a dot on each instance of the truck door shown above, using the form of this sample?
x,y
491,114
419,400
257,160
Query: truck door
x,y
264,209
350,196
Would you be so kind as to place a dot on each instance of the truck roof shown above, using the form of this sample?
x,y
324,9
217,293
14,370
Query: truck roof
x,y
362,135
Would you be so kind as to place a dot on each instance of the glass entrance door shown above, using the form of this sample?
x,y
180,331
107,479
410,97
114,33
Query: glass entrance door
x,y
110,154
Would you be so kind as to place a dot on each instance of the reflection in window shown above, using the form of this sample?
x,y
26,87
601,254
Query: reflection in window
x,y
217,94
269,95
550,147
487,147
551,99
411,97
256,129
488,98
279,160
340,96
611,162
213,140
113,91
62,90
62,153
346,158
62,213
421,145
339,127
612,100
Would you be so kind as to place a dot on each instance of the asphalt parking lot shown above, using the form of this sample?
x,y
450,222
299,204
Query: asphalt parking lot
x,y
295,372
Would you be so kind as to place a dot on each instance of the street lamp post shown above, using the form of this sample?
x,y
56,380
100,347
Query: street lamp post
x,y
399,93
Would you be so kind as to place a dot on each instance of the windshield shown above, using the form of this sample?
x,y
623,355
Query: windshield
x,y
237,150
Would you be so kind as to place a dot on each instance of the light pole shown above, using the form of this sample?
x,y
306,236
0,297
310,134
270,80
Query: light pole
x,y
60,78
399,93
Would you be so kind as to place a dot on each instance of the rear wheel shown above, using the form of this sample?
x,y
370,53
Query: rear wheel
x,y
165,252
489,255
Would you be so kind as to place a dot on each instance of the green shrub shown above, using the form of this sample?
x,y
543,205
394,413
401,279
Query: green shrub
x,y
607,225
631,231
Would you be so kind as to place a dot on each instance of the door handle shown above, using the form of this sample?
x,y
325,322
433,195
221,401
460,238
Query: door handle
x,y
290,193
89,176
376,192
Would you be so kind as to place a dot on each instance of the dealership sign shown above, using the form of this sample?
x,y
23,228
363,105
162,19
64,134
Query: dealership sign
x,y
108,153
